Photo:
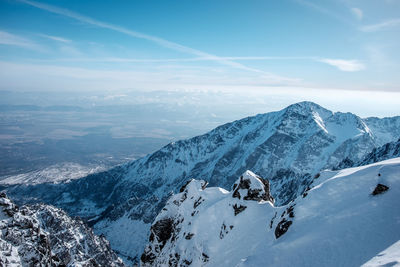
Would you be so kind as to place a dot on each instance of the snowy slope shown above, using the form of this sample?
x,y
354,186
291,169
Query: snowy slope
x,y
42,235
388,257
338,222
288,147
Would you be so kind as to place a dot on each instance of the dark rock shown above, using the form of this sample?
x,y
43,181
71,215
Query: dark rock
x,y
174,259
238,209
148,257
184,197
282,227
184,186
222,232
186,263
272,220
236,194
379,189
205,257
203,186
163,230
189,236
290,211
198,202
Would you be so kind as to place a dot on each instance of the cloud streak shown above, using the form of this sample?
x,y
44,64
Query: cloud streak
x,y
323,10
194,59
157,40
344,65
45,77
7,38
341,64
381,26
55,38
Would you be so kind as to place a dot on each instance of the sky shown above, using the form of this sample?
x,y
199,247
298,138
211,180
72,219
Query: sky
x,y
305,48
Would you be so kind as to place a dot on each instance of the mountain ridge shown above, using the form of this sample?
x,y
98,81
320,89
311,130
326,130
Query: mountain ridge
x,y
288,147
342,220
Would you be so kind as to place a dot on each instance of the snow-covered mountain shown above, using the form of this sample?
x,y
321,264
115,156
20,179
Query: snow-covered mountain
x,y
288,147
387,151
42,235
345,218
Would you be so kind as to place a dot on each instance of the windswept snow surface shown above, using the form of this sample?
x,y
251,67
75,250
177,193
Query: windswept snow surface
x,y
388,258
337,223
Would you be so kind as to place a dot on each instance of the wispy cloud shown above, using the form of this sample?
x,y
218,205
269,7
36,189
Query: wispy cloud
x,y
341,64
193,59
7,38
55,38
381,26
324,11
159,41
357,12
344,65
44,76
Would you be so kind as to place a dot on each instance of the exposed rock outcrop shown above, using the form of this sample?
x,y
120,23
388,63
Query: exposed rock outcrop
x,y
42,235
252,187
379,189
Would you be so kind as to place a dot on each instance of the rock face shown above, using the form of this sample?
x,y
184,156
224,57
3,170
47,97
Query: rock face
x,y
288,147
225,229
42,235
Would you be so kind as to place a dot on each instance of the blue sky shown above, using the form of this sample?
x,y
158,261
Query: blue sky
x,y
232,45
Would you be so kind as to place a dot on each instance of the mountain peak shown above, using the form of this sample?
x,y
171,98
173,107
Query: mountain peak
x,y
308,107
252,187
305,105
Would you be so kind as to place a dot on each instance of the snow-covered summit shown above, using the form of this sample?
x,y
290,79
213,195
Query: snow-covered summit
x,y
307,108
344,219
